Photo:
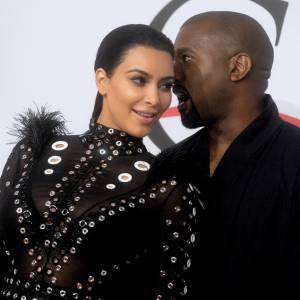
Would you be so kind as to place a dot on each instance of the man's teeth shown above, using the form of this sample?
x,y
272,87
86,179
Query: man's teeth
x,y
184,98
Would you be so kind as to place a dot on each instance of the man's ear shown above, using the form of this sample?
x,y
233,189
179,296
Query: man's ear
x,y
240,66
101,81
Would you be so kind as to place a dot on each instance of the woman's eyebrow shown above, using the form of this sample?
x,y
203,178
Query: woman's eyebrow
x,y
170,77
139,71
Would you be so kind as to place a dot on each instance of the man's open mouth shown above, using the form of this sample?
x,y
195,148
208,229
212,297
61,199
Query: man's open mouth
x,y
183,96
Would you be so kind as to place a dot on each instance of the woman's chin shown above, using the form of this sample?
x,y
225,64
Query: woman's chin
x,y
139,131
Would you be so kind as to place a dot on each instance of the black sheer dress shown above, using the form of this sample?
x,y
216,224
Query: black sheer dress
x,y
76,224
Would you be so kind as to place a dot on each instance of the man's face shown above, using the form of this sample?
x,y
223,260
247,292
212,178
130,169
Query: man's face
x,y
201,72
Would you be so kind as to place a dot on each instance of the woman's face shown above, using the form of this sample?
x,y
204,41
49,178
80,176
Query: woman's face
x,y
138,92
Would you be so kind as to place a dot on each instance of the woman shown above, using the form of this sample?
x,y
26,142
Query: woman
x,y
75,220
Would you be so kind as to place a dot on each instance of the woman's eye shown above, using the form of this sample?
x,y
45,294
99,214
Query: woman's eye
x,y
140,81
167,87
186,58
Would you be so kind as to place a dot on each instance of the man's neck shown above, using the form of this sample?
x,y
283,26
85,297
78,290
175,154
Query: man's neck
x,y
224,132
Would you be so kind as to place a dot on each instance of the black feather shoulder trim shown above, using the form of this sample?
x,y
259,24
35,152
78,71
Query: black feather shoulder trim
x,y
37,127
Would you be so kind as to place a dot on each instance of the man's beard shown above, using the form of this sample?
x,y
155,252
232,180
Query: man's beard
x,y
191,118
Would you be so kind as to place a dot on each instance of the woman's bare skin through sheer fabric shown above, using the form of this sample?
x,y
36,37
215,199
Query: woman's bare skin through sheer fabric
x,y
74,231
76,218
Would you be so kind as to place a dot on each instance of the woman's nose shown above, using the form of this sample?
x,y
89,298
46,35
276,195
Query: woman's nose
x,y
152,96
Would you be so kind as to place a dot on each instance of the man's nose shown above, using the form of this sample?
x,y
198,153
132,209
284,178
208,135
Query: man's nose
x,y
178,71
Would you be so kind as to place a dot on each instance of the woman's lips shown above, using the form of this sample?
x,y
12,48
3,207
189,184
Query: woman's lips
x,y
144,117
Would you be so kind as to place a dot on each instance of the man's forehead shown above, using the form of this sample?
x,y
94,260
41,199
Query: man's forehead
x,y
192,37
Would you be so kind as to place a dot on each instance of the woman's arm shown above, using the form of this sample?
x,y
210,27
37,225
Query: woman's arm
x,y
178,236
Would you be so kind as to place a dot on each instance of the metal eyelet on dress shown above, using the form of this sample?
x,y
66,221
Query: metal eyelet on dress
x,y
54,160
125,177
59,145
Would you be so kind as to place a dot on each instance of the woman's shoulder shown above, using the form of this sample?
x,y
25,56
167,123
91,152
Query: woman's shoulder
x,y
36,128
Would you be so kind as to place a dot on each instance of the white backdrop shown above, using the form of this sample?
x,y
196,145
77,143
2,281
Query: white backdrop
x,y
48,47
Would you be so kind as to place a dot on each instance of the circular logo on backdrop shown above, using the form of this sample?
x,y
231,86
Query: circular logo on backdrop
x,y
277,10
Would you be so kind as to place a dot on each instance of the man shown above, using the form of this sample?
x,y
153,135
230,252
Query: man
x,y
245,161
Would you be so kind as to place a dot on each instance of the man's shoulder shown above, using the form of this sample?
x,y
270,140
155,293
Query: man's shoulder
x,y
185,146
287,144
289,137
182,159
291,131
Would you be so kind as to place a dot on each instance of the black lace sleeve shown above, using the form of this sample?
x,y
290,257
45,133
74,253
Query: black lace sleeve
x,y
7,182
33,130
178,237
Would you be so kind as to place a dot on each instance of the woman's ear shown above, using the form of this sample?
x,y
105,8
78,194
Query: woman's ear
x,y
240,66
101,81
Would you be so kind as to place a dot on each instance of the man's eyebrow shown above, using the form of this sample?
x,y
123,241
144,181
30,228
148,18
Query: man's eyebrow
x,y
171,78
184,49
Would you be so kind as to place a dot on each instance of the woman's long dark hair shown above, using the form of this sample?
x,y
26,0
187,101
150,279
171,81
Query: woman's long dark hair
x,y
114,46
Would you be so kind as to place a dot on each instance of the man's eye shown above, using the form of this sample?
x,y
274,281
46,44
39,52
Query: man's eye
x,y
139,80
186,58
166,87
